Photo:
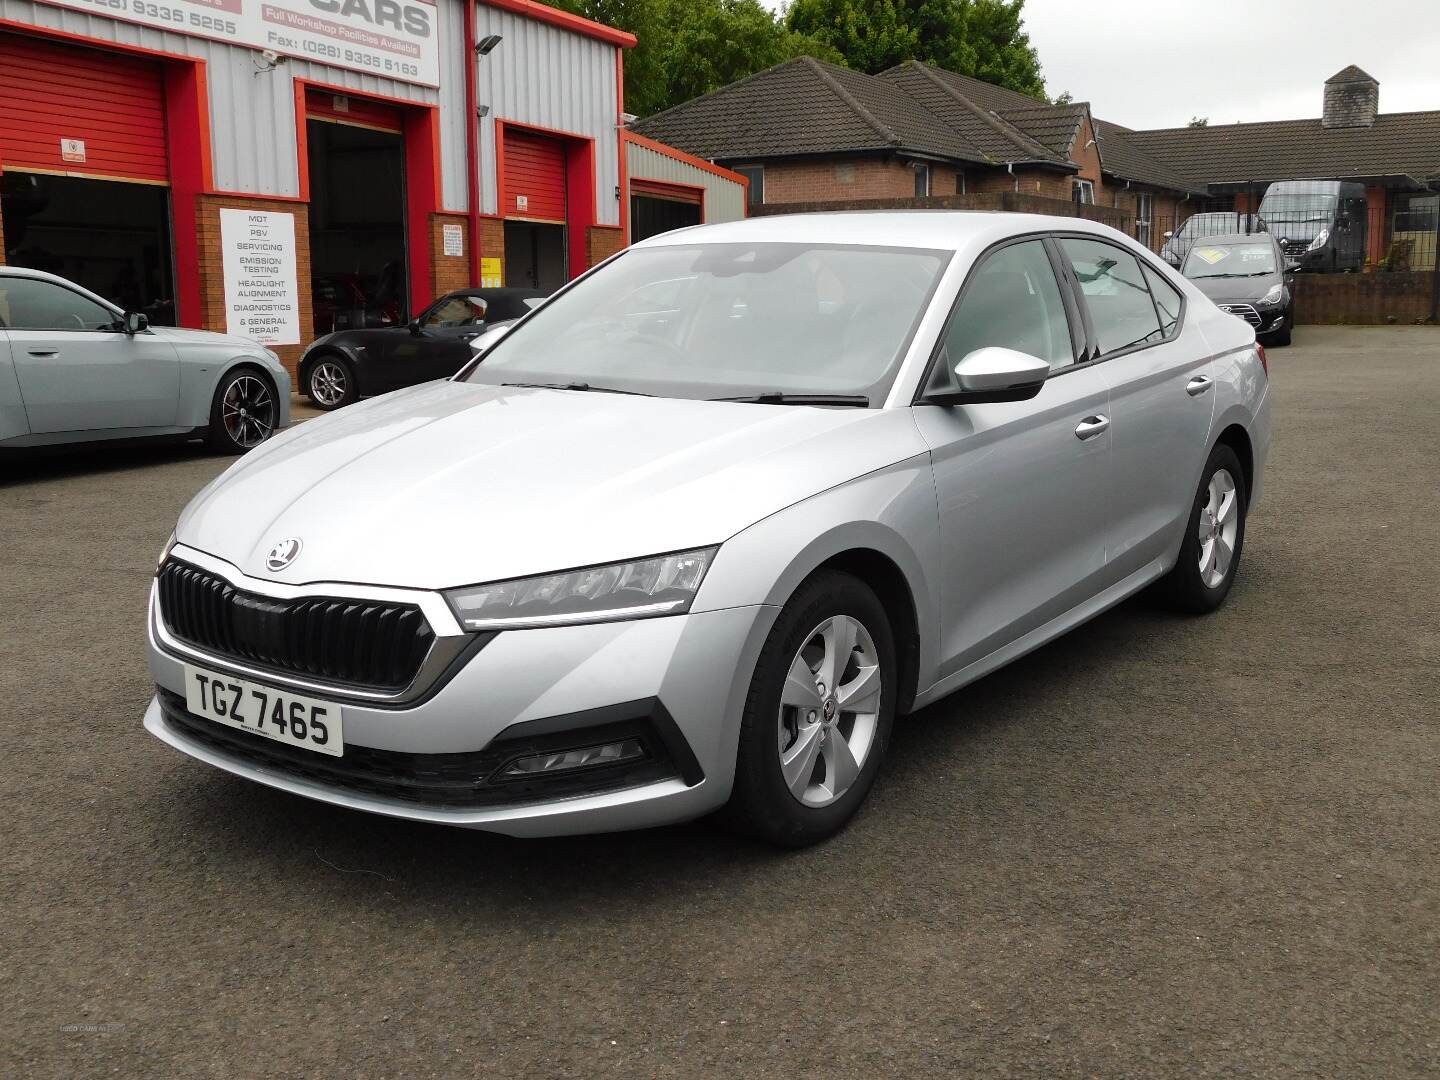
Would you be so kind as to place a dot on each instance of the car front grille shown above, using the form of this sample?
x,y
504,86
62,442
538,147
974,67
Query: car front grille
x,y
350,642
1294,247
455,781
1243,311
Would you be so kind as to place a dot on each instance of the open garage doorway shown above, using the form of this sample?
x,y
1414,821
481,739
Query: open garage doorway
x,y
658,208
358,253
111,237
535,255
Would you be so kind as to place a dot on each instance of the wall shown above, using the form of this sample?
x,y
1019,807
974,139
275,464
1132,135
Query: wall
x,y
1039,183
519,83
448,272
828,179
1021,203
1365,298
724,198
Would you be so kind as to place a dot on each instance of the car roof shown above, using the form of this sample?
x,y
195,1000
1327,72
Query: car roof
x,y
944,230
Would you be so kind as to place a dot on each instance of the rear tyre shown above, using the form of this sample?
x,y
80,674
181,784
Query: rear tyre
x,y
1214,538
818,716
244,412
330,382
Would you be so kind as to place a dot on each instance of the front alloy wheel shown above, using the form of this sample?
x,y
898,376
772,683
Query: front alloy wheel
x,y
329,384
818,715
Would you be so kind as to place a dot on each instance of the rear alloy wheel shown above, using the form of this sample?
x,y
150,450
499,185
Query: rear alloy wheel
x,y
818,716
244,414
330,383
1214,537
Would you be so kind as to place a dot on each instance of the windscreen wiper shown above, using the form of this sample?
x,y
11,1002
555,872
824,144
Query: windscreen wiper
x,y
582,386
775,397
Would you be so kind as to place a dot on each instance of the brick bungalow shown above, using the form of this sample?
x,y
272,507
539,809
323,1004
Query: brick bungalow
x,y
811,135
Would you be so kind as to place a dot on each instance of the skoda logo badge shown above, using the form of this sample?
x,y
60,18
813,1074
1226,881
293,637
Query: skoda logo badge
x,y
282,554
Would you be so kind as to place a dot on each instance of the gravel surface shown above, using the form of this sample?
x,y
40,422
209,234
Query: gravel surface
x,y
1158,847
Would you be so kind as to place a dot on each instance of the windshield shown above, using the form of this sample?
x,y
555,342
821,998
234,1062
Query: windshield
x,y
1238,260
1297,207
728,320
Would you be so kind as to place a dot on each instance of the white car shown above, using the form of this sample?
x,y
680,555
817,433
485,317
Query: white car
x,y
647,558
74,368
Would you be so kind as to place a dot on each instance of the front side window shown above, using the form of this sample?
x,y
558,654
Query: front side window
x,y
31,304
1121,310
1012,301
722,320
455,311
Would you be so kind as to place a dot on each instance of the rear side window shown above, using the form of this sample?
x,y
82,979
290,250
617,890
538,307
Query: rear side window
x,y
1121,310
1167,299
1012,301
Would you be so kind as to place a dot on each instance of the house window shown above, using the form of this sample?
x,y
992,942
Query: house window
x,y
922,181
1144,213
756,175
1084,193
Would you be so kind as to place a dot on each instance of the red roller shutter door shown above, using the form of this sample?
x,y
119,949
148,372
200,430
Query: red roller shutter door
x,y
534,173
112,102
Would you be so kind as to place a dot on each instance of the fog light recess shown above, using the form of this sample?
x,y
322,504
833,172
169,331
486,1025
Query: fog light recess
x,y
559,761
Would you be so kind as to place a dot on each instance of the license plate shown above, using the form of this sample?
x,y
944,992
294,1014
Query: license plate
x,y
263,710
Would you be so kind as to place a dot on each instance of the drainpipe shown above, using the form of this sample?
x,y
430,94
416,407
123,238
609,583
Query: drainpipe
x,y
472,142
1010,168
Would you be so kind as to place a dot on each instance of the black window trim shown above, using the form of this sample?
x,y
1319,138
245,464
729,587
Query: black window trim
x,y
117,327
1071,311
1092,346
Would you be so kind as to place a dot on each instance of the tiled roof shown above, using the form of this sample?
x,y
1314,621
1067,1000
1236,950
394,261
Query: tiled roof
x,y
1121,158
1053,126
945,94
804,106
1398,144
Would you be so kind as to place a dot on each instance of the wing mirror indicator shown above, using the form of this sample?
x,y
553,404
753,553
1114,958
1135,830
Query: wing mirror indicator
x,y
135,323
991,374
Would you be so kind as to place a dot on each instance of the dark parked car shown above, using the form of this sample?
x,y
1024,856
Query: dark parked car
x,y
349,364
1245,275
1202,226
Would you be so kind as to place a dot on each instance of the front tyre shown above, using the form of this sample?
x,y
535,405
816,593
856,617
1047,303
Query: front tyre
x,y
244,412
330,382
1214,537
818,716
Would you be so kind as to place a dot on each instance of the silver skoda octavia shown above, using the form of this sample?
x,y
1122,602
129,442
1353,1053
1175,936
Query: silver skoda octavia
x,y
695,532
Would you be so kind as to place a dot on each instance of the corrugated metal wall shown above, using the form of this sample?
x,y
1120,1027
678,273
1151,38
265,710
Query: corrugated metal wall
x,y
724,199
550,78
252,112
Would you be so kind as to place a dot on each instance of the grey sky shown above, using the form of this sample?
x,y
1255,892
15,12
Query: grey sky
x,y
1156,63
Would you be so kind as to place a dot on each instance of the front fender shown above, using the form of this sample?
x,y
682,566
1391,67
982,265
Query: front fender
x,y
891,511
199,381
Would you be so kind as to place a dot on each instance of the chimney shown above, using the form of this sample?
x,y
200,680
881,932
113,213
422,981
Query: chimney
x,y
1352,99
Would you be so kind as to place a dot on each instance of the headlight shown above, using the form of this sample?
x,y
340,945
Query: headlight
x,y
165,551
644,588
1320,238
1273,296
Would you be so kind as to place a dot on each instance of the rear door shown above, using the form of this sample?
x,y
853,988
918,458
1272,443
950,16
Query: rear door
x,y
76,371
1161,396
1022,487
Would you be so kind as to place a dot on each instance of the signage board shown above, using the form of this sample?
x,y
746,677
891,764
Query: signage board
x,y
394,39
262,294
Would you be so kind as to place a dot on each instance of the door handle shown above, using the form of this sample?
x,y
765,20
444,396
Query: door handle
x,y
1198,385
1092,426
44,352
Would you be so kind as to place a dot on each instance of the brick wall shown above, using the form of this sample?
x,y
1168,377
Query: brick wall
x,y
1022,203
1364,299
602,242
849,178
449,272
492,239
212,272
1036,183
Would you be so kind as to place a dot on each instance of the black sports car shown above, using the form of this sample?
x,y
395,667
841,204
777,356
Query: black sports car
x,y
349,364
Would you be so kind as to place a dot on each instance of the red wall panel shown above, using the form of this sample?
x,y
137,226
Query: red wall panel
x,y
113,102
534,168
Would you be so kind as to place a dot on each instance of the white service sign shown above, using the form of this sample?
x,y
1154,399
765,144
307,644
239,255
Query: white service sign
x,y
395,39
262,292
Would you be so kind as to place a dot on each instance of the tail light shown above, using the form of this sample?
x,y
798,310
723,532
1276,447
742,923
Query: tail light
x,y
1264,363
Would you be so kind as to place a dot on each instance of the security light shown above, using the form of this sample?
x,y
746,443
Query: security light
x,y
486,45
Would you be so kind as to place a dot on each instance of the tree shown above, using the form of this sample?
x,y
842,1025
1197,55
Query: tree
x,y
1199,121
985,39
686,48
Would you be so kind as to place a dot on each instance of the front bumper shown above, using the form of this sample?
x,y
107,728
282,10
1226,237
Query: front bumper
x,y
694,670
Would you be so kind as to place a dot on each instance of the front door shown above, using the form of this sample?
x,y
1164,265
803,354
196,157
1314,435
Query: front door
x,y
76,371
1022,488
437,345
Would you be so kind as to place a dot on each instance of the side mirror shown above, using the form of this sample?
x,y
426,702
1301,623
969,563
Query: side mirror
x,y
481,342
135,323
414,327
1169,234
993,374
